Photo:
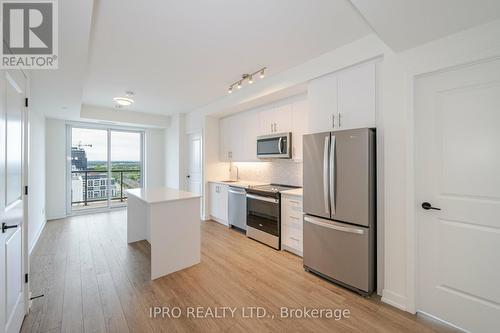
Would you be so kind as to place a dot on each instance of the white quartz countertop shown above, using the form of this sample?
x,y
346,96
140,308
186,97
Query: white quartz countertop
x,y
161,194
295,191
239,183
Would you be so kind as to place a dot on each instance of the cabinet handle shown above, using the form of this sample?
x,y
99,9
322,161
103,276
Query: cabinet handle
x,y
294,217
339,120
333,120
275,127
295,239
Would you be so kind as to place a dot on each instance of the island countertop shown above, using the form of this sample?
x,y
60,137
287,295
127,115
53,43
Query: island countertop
x,y
161,194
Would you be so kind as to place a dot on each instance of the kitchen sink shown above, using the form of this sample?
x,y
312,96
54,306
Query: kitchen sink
x,y
229,181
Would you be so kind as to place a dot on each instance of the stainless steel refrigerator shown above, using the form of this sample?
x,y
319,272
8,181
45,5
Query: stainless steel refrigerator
x,y
340,207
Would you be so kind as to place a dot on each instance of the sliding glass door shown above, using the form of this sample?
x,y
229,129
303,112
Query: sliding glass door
x,y
104,163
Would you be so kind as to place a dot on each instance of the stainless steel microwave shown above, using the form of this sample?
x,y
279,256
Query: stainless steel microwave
x,y
274,146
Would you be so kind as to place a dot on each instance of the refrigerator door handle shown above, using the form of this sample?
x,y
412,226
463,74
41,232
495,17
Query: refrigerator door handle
x,y
326,192
332,174
351,230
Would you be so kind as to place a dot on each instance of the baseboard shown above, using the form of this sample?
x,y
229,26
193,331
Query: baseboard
x,y
37,237
56,217
394,299
219,221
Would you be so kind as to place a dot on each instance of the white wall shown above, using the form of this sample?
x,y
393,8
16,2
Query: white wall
x,y
36,178
173,152
155,157
55,143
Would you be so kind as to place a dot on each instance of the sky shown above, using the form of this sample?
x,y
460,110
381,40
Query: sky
x,y
125,146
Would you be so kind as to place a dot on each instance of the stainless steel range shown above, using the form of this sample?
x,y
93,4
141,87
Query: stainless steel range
x,y
264,213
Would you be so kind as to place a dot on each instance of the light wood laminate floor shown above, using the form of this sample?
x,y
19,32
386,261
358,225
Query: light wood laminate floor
x,y
94,281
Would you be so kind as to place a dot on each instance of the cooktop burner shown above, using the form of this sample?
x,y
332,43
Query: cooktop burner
x,y
271,188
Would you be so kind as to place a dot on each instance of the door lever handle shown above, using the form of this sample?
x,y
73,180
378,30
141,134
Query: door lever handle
x,y
5,227
427,206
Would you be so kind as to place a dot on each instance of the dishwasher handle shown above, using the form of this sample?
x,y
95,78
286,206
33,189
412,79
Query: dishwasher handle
x,y
237,191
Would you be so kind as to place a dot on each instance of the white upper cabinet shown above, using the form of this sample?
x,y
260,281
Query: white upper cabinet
x,y
322,95
343,100
238,137
275,120
356,97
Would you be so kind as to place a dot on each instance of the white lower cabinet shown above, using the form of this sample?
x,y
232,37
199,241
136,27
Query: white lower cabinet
x,y
291,223
219,203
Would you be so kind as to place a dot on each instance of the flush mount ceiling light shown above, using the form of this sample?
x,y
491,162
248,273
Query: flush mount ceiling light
x,y
124,101
247,77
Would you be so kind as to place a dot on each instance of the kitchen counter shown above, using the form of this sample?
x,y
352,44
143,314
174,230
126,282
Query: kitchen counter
x,y
161,194
295,191
170,221
239,183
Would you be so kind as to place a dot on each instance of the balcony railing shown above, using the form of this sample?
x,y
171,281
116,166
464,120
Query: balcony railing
x,y
91,187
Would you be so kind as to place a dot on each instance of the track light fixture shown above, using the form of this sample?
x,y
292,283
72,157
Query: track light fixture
x,y
248,77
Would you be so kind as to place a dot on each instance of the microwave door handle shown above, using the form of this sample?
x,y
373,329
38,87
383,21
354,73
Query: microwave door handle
x,y
326,192
280,145
332,174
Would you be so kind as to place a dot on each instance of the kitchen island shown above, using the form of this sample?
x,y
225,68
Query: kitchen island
x,y
169,220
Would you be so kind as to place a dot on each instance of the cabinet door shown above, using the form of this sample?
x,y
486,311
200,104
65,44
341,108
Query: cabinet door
x,y
322,95
300,126
223,199
247,131
214,205
357,101
266,121
282,116
225,138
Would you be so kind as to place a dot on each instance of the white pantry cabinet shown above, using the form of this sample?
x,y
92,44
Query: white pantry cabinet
x,y
291,224
343,100
219,203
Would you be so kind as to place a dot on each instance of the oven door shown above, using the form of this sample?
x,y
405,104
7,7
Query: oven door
x,y
263,213
274,146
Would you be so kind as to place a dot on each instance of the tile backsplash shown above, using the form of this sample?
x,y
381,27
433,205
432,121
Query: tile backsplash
x,y
277,171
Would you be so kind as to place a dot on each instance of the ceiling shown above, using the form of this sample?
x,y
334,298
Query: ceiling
x,y
403,24
179,55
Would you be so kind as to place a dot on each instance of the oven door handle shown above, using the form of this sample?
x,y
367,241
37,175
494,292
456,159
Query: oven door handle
x,y
261,198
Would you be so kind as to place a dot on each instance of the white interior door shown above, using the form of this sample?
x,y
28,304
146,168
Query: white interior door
x,y
457,116
12,303
194,175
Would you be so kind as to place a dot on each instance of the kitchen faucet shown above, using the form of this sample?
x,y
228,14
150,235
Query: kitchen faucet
x,y
237,171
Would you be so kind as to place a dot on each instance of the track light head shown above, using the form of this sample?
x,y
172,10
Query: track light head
x,y
262,74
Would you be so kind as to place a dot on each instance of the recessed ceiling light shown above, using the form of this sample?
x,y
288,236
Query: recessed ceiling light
x,y
124,101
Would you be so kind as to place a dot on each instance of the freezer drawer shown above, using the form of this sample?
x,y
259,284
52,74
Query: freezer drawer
x,y
341,252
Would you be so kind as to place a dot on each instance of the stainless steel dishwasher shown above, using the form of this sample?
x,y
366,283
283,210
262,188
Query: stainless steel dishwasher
x,y
237,208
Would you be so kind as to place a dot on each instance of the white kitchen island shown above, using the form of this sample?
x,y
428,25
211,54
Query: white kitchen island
x,y
169,220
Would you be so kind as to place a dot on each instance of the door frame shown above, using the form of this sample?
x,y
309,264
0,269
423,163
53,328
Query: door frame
x,y
185,167
108,128
454,62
